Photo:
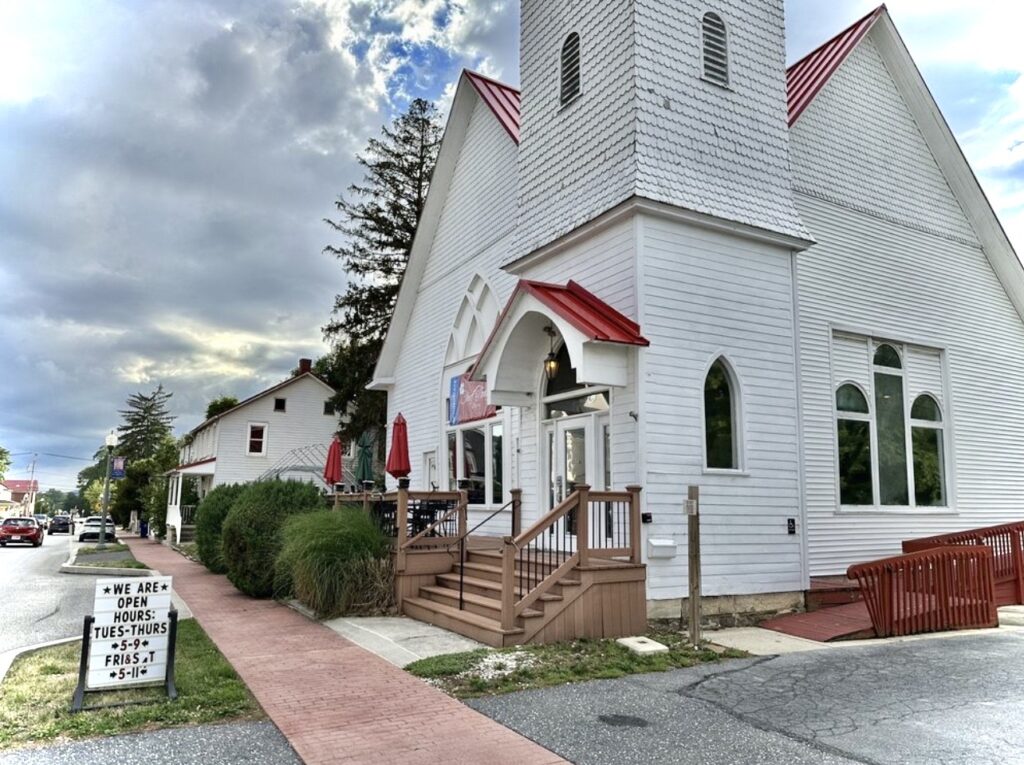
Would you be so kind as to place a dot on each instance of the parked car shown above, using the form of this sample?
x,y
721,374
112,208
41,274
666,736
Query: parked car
x,y
20,530
42,520
61,524
91,529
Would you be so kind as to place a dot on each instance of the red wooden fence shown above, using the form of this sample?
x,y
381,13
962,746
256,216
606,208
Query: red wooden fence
x,y
1007,544
940,588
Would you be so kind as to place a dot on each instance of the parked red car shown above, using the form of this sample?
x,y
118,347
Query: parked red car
x,y
24,530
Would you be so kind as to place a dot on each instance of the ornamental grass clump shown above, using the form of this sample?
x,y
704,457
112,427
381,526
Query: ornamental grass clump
x,y
209,523
336,563
252,532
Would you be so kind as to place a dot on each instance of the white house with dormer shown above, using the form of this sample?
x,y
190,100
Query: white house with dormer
x,y
282,431
668,260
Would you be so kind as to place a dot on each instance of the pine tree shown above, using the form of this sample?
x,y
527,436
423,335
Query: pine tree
x,y
378,222
145,424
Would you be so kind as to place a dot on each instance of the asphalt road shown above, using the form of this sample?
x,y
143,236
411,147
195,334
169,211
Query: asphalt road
x,y
39,603
957,699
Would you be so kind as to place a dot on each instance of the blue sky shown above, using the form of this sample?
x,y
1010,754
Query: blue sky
x,y
166,166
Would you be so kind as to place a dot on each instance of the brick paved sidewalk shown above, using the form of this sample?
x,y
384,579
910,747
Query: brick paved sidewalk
x,y
334,701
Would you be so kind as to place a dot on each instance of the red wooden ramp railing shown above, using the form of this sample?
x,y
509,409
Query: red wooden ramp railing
x,y
1007,544
937,589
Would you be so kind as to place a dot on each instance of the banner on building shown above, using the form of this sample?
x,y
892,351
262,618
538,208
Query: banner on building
x,y
467,400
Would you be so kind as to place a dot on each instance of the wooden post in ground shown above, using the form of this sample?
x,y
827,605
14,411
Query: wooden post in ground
x,y
508,584
517,512
693,542
583,523
402,526
635,535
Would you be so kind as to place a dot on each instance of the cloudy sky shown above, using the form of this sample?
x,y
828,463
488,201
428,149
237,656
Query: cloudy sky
x,y
165,166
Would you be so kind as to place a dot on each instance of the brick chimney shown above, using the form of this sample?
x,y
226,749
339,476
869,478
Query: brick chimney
x,y
305,365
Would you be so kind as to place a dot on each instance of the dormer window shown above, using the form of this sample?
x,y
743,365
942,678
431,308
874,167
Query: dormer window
x,y
570,68
716,54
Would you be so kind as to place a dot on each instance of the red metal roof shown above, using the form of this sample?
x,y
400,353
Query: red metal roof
x,y
501,98
806,78
585,311
21,485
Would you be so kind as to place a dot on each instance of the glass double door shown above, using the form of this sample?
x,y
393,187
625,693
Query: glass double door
x,y
576,452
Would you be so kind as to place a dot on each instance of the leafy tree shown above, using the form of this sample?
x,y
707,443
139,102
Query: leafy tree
x,y
71,501
132,492
220,405
145,424
5,462
378,222
93,495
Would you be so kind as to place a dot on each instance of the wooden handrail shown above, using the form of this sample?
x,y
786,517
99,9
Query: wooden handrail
x,y
547,519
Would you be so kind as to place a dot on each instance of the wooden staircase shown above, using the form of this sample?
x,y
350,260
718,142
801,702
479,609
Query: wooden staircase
x,y
572,574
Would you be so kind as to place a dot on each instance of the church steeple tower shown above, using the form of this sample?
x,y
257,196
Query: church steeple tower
x,y
674,101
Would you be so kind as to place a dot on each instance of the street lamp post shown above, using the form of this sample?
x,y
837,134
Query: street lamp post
x,y
111,442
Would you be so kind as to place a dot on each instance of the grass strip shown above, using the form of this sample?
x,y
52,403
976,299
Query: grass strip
x,y
36,695
490,672
122,563
111,547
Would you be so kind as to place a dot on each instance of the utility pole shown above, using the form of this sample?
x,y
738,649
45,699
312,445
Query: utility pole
x,y
31,486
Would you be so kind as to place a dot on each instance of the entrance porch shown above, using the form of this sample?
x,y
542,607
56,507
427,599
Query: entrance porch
x,y
576,572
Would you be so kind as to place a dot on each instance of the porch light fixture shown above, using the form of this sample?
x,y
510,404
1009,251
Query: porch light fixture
x,y
551,362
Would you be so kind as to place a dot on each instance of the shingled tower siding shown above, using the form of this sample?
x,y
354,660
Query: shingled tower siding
x,y
647,123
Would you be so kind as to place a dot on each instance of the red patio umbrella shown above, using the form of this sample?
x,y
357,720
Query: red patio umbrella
x,y
332,468
398,457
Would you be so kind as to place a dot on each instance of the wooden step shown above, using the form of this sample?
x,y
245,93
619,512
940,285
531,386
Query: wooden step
x,y
474,626
478,604
486,585
487,571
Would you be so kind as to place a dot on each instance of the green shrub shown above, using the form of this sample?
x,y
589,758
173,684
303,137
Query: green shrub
x,y
210,517
336,562
251,534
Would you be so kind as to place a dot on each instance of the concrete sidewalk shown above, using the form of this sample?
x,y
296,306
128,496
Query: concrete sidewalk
x,y
334,701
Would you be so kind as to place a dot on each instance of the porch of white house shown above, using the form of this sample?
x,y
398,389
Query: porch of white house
x,y
181,518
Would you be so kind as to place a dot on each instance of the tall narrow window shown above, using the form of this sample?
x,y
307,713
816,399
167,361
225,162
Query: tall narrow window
x,y
570,68
929,457
716,54
257,438
720,418
853,431
892,429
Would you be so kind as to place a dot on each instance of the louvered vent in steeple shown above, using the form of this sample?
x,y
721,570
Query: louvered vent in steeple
x,y
716,54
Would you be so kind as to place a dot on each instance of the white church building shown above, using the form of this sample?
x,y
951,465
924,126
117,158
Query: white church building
x,y
669,261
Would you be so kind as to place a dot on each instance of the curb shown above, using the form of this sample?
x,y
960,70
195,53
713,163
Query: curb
x,y
8,657
68,568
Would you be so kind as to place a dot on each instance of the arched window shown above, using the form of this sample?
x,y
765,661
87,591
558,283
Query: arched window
x,y
716,54
928,450
721,443
890,419
570,68
853,433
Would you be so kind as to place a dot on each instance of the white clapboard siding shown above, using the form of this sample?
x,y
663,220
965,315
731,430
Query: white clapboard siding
x,y
473,238
896,258
605,264
705,294
303,423
895,282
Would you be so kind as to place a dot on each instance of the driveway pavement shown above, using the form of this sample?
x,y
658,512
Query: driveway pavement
x,y
952,700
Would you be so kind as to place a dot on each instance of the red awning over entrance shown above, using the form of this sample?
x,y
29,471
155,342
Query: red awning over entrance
x,y
585,311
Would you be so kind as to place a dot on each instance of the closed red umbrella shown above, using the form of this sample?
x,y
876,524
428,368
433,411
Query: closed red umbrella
x,y
398,457
332,468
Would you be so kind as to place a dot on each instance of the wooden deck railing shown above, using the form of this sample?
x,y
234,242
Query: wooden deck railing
x,y
930,590
1006,541
602,524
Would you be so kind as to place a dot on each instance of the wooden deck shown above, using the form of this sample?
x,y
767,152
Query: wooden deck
x,y
846,622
